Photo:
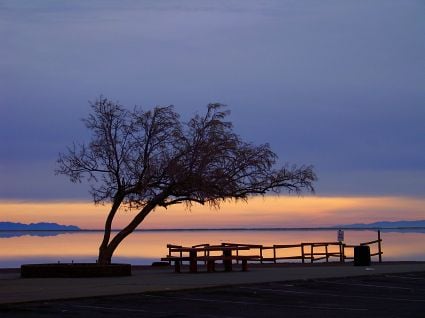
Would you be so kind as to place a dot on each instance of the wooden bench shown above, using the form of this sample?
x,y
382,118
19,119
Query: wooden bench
x,y
210,260
227,260
177,261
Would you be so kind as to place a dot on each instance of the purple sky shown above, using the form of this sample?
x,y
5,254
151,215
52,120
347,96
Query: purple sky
x,y
339,84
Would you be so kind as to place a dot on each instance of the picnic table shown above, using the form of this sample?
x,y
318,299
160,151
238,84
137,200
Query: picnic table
x,y
203,254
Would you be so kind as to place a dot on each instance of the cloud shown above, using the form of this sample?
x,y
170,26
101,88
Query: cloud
x,y
335,84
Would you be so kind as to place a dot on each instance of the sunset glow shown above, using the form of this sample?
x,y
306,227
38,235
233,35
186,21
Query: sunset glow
x,y
270,211
146,247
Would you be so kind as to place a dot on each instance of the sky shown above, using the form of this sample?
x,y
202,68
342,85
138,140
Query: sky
x,y
339,84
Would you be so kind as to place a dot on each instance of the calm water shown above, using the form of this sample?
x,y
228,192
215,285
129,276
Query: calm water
x,y
144,247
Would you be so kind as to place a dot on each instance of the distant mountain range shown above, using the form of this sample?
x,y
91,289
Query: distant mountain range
x,y
385,224
43,226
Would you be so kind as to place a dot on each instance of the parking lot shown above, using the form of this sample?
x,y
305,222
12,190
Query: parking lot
x,y
389,295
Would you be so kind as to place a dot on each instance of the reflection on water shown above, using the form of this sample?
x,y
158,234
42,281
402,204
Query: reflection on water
x,y
31,233
405,230
144,247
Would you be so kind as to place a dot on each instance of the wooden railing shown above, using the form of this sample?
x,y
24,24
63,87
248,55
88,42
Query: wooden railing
x,y
305,252
327,254
377,252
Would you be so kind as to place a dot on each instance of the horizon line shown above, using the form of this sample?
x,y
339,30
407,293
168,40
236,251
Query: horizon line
x,y
226,229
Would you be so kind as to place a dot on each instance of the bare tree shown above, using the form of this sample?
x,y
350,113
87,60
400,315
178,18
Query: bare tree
x,y
150,159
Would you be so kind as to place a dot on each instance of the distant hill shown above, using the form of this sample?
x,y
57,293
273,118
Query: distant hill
x,y
386,224
43,226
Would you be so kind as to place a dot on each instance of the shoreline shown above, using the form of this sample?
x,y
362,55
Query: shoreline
x,y
326,228
264,265
16,271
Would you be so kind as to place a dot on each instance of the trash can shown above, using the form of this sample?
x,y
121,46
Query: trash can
x,y
362,255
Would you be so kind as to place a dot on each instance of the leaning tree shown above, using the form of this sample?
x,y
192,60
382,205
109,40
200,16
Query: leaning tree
x,y
149,159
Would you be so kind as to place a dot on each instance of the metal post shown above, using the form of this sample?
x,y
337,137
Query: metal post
x,y
379,246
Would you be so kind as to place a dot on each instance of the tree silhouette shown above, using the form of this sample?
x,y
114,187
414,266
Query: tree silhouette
x,y
149,159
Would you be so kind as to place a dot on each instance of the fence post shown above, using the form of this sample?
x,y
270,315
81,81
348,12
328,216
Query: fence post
x,y
274,254
261,254
327,255
302,252
311,251
341,252
169,254
379,246
193,263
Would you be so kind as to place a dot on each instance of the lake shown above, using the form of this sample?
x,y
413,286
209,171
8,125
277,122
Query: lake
x,y
145,247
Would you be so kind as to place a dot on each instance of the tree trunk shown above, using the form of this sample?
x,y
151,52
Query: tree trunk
x,y
106,251
104,254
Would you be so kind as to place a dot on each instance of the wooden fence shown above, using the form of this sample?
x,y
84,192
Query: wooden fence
x,y
307,252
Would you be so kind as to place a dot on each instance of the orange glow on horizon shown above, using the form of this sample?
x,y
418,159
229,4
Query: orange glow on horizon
x,y
269,211
152,245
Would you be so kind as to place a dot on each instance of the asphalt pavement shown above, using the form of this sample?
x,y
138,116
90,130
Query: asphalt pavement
x,y
384,295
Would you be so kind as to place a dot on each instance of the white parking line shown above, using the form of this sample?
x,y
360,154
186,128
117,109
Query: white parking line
x,y
142,310
405,277
253,303
332,295
119,309
366,285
